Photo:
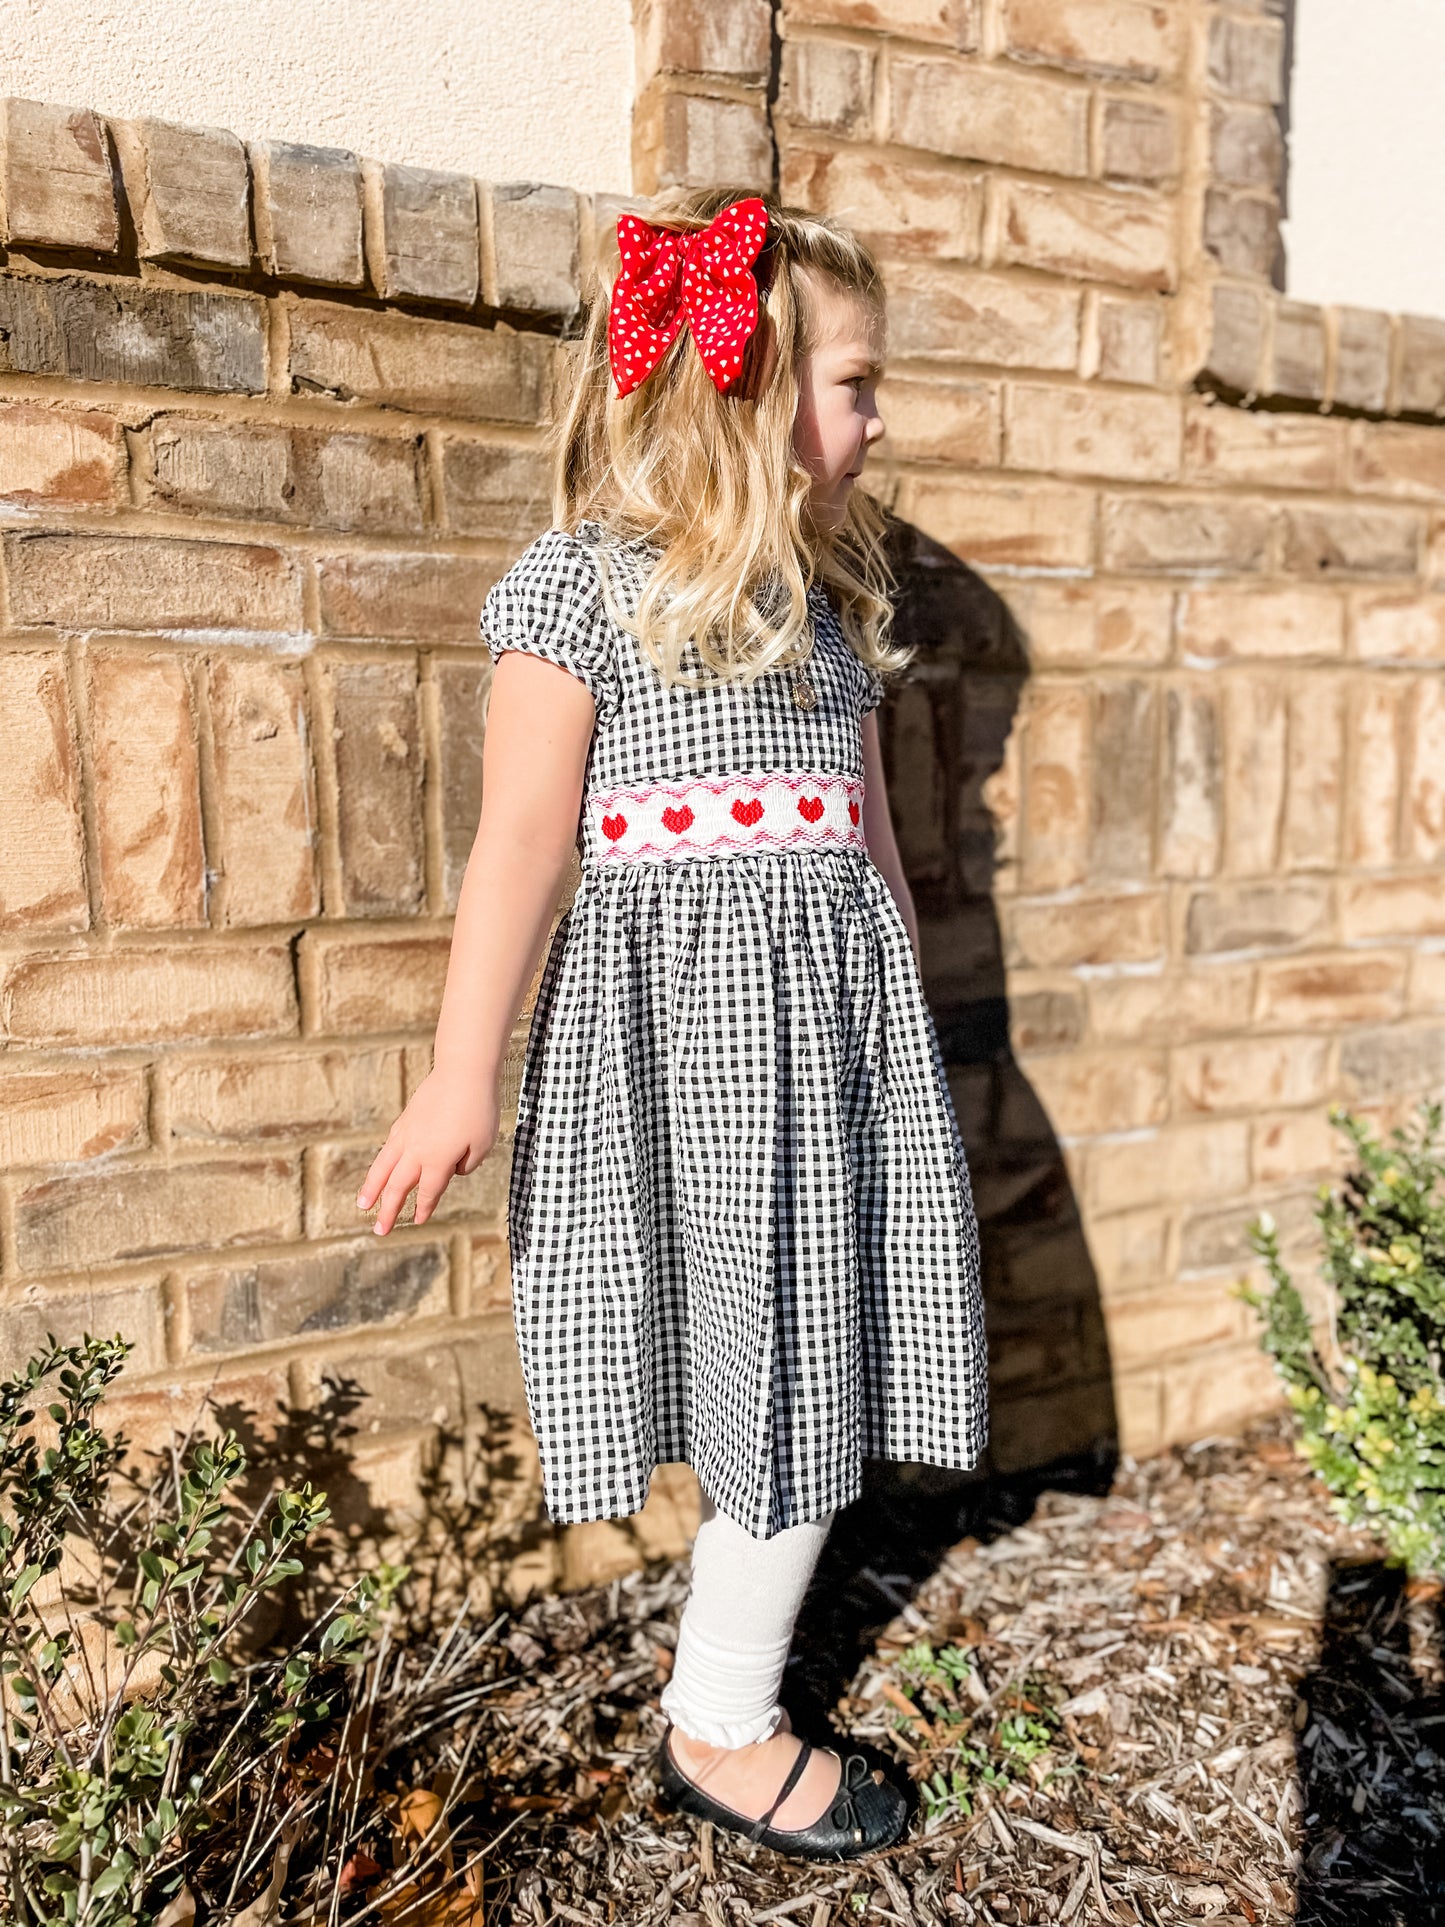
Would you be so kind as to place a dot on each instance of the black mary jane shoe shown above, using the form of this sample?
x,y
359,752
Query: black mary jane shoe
x,y
862,1817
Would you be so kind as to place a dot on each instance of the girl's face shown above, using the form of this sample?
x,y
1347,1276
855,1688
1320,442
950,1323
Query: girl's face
x,y
837,420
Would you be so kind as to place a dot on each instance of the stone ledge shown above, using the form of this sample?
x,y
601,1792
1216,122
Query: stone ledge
x,y
149,192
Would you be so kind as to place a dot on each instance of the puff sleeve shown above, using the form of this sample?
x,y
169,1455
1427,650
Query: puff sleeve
x,y
549,604
872,690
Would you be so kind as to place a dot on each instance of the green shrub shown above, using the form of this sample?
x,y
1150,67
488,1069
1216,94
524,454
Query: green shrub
x,y
1371,1416
115,1786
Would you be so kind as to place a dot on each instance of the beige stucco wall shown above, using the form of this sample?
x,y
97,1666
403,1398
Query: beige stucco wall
x,y
504,90
1367,155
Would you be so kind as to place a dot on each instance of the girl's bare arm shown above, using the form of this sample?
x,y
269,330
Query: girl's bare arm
x,y
878,828
534,757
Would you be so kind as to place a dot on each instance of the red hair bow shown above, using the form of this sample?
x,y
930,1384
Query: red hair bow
x,y
705,278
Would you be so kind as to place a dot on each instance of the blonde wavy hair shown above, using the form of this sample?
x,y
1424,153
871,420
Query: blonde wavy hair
x,y
710,480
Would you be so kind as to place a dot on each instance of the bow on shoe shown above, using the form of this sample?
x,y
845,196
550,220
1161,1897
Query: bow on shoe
x,y
845,1813
704,278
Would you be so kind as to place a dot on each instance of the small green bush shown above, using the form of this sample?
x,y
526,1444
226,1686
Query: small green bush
x,y
1372,1417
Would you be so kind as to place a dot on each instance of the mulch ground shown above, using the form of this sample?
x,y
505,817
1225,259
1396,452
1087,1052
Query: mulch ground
x,y
1189,1693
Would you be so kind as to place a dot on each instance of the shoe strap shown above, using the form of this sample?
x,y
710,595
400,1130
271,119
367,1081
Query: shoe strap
x,y
795,1773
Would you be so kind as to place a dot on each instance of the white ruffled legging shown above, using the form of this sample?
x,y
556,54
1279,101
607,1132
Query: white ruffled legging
x,y
737,1626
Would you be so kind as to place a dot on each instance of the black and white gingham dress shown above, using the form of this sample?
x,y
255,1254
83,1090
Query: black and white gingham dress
x,y
741,1226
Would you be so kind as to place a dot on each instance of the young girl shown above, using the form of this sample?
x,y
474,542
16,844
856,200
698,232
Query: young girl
x,y
742,1233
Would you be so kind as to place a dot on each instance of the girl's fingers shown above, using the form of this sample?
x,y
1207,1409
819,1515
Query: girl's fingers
x,y
428,1191
394,1195
382,1166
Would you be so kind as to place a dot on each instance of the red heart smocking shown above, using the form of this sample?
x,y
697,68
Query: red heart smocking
x,y
811,807
853,812
613,826
747,813
677,820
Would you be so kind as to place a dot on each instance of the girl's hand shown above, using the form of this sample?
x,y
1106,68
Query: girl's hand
x,y
445,1131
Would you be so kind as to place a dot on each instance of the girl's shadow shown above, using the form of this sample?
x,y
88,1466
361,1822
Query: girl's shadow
x,y
945,733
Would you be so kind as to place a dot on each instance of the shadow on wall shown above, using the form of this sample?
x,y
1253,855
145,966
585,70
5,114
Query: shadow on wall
x,y
945,733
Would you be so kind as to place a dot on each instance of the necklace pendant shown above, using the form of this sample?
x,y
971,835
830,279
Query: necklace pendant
x,y
805,695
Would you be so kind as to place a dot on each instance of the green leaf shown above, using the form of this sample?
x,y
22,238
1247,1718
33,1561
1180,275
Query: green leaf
x,y
23,1584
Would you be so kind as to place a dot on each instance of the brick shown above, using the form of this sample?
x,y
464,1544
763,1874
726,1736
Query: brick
x,y
1351,541
496,491
1246,147
909,206
1238,326
144,1210
430,245
194,199
265,800
828,84
1242,446
351,984
941,421
1168,1008
1218,1394
53,457
1424,816
133,1309
376,747
1175,1165
1087,431
1427,980
1403,1060
424,366
1315,775
1375,723
1089,1092
232,1307
61,1115
1082,624
1298,364
1246,58
981,114
536,237
1177,1321
1362,358
224,468
937,314
149,996
42,848
308,213
1087,235
1255,916
1129,337
141,337
367,483
1396,458
1241,232
1218,624
1055,825
950,23
431,598
1399,627
1191,789
1045,1019
59,190
1138,141
479,1197
281,1095
120,582
1422,366
1148,533
1029,523
1061,936
1212,1239
1256,722
695,140
1251,1074
461,691
1320,992
692,37
1285,1149
441,1383
1095,37
1130,1251
147,779
1125,778
1374,907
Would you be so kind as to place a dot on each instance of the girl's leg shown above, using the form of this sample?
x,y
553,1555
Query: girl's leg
x,y
729,1735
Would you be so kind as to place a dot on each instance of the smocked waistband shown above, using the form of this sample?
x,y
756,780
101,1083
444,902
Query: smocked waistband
x,y
725,816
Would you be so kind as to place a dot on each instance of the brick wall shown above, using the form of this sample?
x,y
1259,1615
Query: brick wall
x,y
1167,773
